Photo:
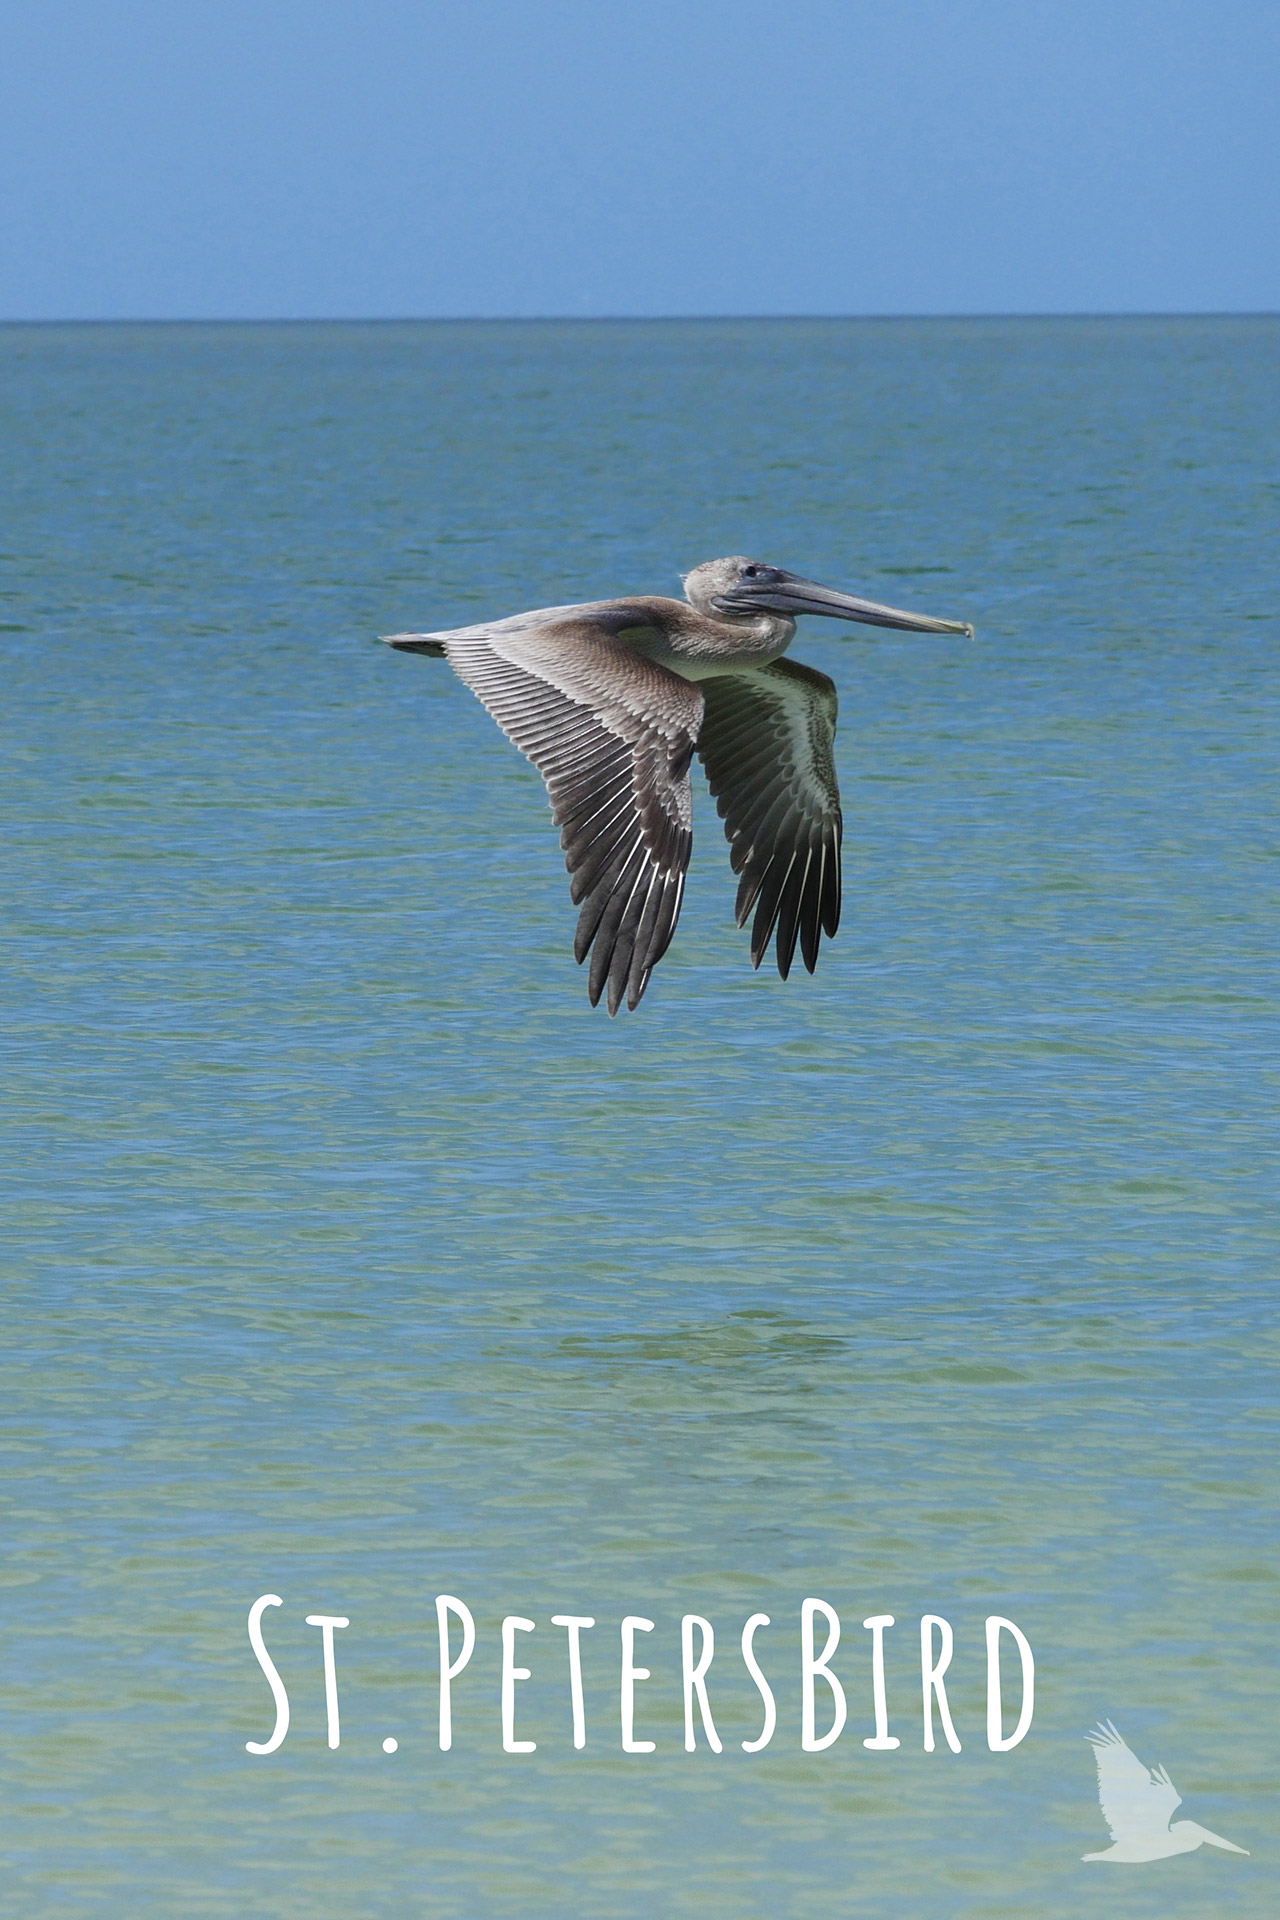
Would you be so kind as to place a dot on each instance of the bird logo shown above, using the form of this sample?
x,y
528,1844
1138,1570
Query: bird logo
x,y
1137,1802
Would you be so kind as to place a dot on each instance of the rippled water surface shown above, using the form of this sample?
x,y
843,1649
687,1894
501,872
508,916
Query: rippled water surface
x,y
353,1258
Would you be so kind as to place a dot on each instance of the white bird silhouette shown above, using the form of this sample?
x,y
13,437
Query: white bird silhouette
x,y
1136,1805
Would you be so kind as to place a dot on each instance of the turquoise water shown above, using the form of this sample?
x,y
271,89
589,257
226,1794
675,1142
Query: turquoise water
x,y
352,1258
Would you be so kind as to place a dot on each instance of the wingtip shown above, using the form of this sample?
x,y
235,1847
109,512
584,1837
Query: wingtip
x,y
636,994
412,642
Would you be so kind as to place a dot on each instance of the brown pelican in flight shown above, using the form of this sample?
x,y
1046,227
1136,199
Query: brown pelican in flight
x,y
1137,1803
612,699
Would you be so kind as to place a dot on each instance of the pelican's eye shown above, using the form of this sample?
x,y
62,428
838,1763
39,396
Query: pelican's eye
x,y
762,575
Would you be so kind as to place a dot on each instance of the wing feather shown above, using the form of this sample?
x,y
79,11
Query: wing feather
x,y
612,735
766,744
1134,1801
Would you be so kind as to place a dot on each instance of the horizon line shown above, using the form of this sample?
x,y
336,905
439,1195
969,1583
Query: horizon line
x,y
626,319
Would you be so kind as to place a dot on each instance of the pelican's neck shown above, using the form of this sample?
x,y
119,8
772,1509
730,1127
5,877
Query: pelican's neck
x,y
773,630
712,637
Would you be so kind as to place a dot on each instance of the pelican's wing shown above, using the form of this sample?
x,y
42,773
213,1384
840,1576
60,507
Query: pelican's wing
x,y
612,735
766,744
1134,1800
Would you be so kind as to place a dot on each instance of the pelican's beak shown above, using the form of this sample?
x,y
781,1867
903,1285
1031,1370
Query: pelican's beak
x,y
792,595
1215,1839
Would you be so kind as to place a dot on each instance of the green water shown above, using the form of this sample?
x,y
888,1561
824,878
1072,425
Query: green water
x,y
352,1258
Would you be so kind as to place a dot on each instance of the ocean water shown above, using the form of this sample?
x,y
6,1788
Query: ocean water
x,y
351,1257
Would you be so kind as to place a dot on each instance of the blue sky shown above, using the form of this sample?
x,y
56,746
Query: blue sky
x,y
216,158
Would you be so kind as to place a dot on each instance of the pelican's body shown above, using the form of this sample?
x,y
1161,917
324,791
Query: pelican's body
x,y
612,698
1137,1803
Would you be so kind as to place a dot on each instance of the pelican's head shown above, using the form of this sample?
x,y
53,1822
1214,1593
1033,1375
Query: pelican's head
x,y
742,589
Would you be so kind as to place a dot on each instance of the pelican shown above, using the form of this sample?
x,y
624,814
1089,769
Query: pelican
x,y
612,699
1137,1803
